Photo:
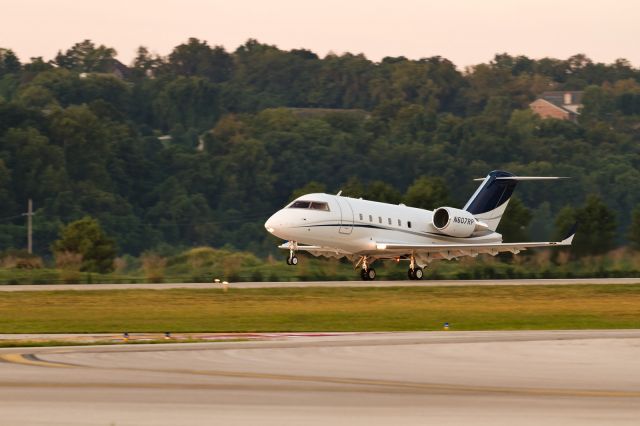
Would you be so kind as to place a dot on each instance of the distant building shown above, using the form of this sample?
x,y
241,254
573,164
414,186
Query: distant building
x,y
561,105
118,69
112,67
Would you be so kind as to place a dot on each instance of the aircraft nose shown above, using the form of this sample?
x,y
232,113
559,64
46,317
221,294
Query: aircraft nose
x,y
270,224
278,224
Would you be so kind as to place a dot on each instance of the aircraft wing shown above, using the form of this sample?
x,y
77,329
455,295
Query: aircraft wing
x,y
490,248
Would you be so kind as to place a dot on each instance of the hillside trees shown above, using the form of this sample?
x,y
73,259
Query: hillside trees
x,y
252,126
85,56
9,62
196,59
596,225
427,193
634,229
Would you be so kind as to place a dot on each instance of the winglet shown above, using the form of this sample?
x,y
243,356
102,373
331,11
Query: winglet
x,y
569,238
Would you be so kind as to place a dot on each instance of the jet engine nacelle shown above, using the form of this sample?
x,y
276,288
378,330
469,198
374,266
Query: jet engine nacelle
x,y
455,222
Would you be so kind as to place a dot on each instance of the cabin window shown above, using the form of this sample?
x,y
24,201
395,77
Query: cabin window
x,y
409,224
361,216
379,219
300,205
317,205
399,222
370,218
389,221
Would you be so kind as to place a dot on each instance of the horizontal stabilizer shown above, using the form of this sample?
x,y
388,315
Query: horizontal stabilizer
x,y
523,178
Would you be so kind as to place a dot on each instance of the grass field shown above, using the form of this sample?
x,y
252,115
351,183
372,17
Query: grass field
x,y
323,309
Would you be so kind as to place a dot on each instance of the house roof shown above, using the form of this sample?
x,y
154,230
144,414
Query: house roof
x,y
558,97
570,109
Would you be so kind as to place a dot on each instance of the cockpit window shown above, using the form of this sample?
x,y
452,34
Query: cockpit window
x,y
314,205
300,205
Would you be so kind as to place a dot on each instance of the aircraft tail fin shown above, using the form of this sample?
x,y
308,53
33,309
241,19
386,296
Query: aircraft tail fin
x,y
491,198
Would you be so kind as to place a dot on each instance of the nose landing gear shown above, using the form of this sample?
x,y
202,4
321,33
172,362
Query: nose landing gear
x,y
292,259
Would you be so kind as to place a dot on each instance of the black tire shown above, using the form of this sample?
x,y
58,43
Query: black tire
x,y
371,274
288,261
363,275
418,273
294,260
410,274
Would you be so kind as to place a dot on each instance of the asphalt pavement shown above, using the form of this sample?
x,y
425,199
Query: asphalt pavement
x,y
408,378
295,284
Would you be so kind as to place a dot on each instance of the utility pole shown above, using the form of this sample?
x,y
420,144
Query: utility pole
x,y
29,215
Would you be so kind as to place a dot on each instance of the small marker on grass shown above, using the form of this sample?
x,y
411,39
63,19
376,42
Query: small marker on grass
x,y
167,336
125,337
446,326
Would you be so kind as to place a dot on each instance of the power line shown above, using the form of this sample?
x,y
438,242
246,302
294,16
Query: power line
x,y
165,222
8,218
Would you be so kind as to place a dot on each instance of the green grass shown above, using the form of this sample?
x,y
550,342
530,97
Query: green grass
x,y
322,309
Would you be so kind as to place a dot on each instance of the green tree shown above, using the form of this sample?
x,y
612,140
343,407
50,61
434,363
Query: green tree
x,y
427,193
86,237
145,63
353,188
598,104
87,144
309,188
9,62
634,229
196,58
86,57
514,225
37,166
382,192
596,227
189,102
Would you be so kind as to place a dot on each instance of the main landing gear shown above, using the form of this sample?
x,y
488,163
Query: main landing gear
x,y
292,259
415,272
367,273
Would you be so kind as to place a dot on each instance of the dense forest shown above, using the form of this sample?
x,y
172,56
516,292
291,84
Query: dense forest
x,y
200,146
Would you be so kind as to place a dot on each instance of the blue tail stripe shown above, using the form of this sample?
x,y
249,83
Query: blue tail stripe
x,y
493,193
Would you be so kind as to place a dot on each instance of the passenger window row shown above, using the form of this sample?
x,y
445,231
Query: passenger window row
x,y
380,220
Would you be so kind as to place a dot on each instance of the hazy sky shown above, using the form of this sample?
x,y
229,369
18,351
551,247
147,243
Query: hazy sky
x,y
464,31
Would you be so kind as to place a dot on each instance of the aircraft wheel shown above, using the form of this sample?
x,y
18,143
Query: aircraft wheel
x,y
363,274
410,274
288,260
371,274
418,273
294,260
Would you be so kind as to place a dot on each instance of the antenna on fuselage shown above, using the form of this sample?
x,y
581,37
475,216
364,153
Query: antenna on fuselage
x,y
339,193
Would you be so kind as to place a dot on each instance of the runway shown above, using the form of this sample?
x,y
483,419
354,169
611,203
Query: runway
x,y
408,378
296,284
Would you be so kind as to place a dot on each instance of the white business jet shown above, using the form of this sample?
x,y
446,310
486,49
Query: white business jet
x,y
364,231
